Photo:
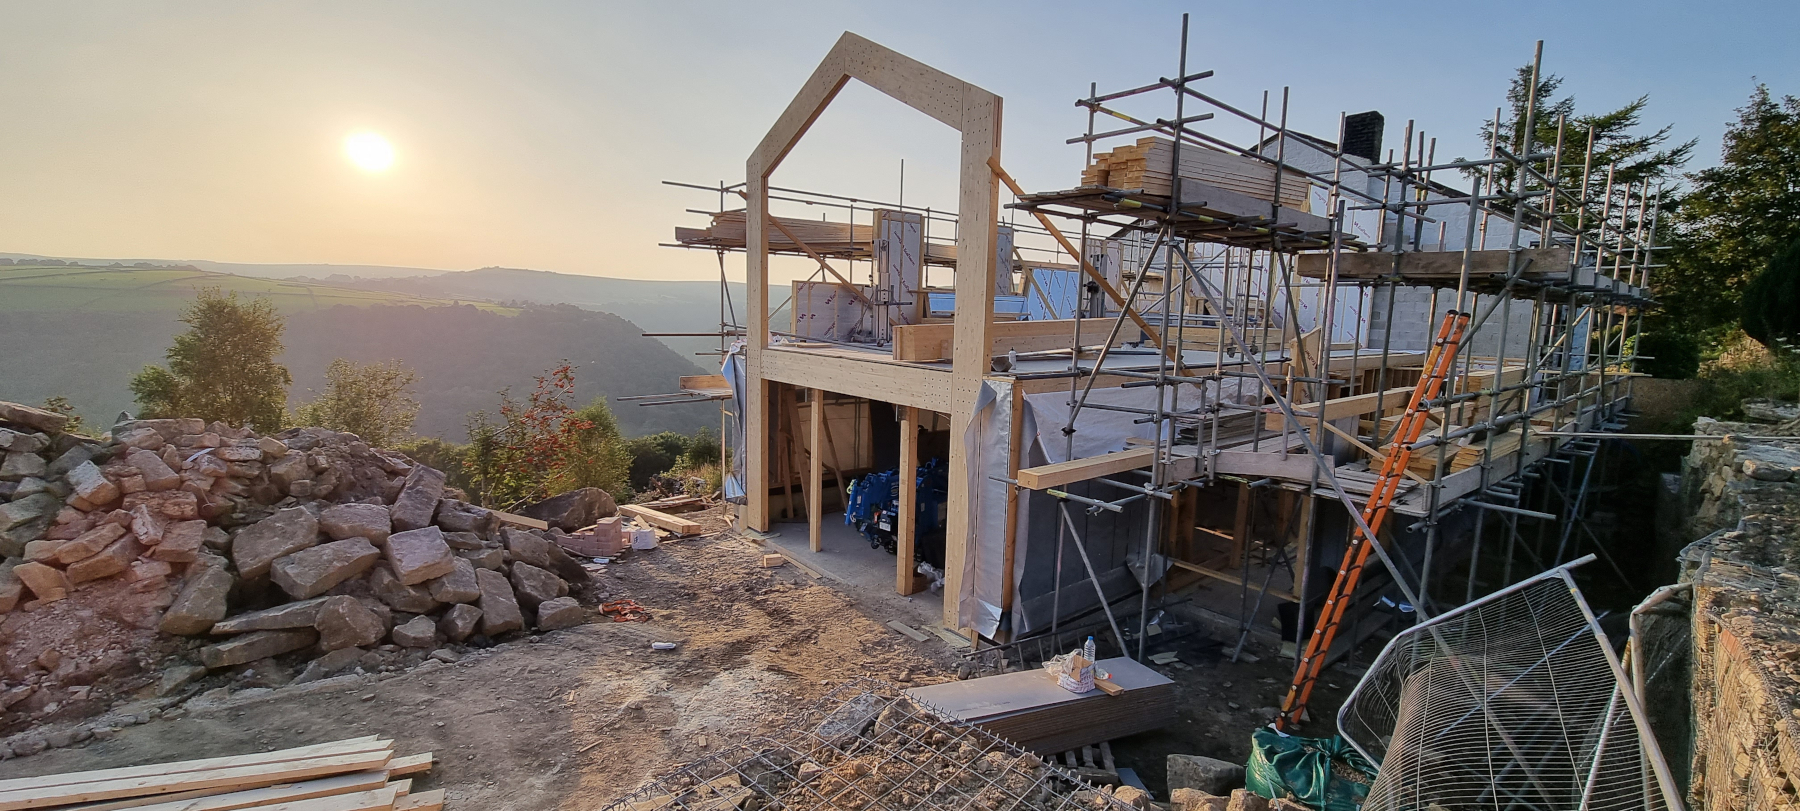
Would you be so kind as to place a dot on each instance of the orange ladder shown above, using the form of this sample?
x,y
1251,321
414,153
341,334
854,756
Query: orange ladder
x,y
1387,484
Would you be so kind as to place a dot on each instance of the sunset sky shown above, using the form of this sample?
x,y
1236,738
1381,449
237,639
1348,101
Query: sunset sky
x,y
536,134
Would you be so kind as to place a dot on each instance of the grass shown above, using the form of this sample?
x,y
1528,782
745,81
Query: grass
x,y
51,288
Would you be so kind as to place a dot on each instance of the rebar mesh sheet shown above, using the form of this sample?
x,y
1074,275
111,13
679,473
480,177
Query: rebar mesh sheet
x,y
1510,703
867,747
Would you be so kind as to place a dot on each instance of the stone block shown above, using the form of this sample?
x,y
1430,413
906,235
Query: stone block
x,y
459,622
313,571
459,586
257,645
419,555
492,559
573,510
329,664
71,459
147,525
43,551
182,542
37,508
560,612
156,473
418,498
344,622
499,608
1210,775
176,505
370,521
21,442
20,465
49,422
1245,800
400,596
1188,799
527,547
201,603
112,560
300,614
534,585
456,516
418,632
10,589
257,546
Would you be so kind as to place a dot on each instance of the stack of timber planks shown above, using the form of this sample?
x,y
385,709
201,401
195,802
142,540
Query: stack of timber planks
x,y
1146,165
728,228
360,774
1029,709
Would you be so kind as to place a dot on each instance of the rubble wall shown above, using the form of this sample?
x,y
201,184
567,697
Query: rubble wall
x,y
1744,495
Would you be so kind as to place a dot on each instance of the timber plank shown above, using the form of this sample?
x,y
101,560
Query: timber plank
x,y
409,765
432,800
675,524
372,800
236,777
367,743
253,798
1074,470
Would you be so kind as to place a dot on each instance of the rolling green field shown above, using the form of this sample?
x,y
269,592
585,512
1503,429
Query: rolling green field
x,y
51,288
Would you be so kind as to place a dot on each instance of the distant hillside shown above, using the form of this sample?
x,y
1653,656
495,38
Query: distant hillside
x,y
82,333
659,306
257,271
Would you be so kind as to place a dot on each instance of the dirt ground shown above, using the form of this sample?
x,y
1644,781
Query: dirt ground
x,y
575,718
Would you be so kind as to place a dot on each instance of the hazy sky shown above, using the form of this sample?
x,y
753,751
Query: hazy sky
x,y
536,134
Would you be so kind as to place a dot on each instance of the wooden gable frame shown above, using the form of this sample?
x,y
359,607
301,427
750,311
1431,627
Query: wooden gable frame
x,y
976,114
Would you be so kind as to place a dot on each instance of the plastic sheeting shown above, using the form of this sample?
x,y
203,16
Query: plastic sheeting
x,y
986,449
733,372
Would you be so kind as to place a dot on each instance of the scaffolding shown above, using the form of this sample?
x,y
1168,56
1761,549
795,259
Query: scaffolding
x,y
1263,290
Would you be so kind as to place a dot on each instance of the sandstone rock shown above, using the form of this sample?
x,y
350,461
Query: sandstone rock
x,y
156,473
10,589
1132,796
457,516
566,567
1244,800
257,645
499,608
46,583
91,485
257,546
41,507
418,555
289,615
1209,775
20,464
464,541
561,612
216,540
112,560
178,677
49,422
201,602
344,622
527,547
177,505
181,542
329,664
369,521
287,470
42,551
534,585
71,459
21,442
459,586
143,437
418,632
271,447
314,571
89,543
418,498
1188,799
400,596
146,569
240,454
493,559
146,525
459,622
573,510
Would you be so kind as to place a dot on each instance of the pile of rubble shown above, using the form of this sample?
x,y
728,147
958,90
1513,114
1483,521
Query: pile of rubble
x,y
307,544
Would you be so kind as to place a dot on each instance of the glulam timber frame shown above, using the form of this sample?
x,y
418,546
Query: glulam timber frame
x,y
976,114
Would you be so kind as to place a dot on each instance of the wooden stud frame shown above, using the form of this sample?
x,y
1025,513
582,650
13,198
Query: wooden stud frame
x,y
972,111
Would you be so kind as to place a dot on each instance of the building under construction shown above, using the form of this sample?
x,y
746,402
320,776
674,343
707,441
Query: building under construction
x,y
1198,360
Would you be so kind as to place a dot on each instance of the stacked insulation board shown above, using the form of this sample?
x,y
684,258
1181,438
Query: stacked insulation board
x,y
1029,709
1146,164
360,774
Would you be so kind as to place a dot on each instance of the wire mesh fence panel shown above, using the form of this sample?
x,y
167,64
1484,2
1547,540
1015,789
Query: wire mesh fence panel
x,y
1509,702
868,747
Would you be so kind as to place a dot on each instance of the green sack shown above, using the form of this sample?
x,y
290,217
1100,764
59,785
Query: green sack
x,y
1323,773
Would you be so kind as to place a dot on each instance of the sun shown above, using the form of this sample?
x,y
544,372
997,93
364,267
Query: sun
x,y
369,151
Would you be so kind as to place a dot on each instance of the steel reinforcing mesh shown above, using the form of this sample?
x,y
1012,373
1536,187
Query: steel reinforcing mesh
x,y
1506,704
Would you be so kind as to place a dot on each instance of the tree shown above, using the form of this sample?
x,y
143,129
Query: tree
x,y
370,400
61,405
654,455
1638,157
1736,218
1772,303
526,455
223,367
599,458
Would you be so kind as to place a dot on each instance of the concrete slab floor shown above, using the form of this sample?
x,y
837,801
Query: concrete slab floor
x,y
863,572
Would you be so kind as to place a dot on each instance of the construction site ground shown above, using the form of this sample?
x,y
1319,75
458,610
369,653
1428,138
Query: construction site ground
x,y
575,718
